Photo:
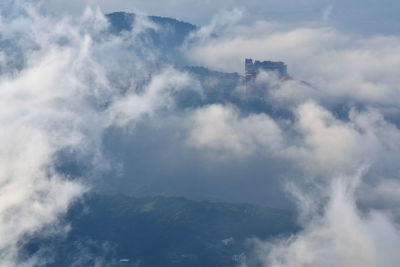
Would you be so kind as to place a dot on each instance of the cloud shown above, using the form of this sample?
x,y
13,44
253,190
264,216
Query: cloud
x,y
341,123
158,94
59,98
328,142
340,235
315,135
221,129
218,25
374,17
66,84
326,13
313,54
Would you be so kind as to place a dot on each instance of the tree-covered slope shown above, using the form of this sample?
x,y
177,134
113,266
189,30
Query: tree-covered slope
x,y
162,231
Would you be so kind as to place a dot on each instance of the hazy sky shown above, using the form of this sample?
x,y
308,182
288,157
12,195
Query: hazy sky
x,y
363,16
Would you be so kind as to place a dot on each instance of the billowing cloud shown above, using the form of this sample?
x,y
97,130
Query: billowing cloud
x,y
158,94
338,65
66,84
58,97
341,235
344,120
221,129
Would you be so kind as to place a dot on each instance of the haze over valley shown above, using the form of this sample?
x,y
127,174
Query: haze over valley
x,y
176,134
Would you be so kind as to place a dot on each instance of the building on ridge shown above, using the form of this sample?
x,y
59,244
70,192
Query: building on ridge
x,y
252,69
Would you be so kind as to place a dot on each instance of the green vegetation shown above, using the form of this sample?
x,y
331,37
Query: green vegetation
x,y
163,231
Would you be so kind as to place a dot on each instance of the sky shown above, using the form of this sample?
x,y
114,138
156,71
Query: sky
x,y
358,16
64,94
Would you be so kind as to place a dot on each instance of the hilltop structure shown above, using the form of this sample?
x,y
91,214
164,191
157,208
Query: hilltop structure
x,y
252,69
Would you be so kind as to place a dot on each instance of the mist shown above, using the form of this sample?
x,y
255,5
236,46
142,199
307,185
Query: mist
x,y
87,111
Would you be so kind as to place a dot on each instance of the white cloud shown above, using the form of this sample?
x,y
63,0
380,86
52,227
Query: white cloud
x,y
158,94
222,130
340,66
62,95
355,72
358,74
340,236
60,98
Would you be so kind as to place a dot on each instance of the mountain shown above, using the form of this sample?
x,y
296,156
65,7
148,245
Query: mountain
x,y
164,34
178,30
162,231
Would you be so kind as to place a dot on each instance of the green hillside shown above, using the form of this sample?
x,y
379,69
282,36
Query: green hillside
x,y
163,231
